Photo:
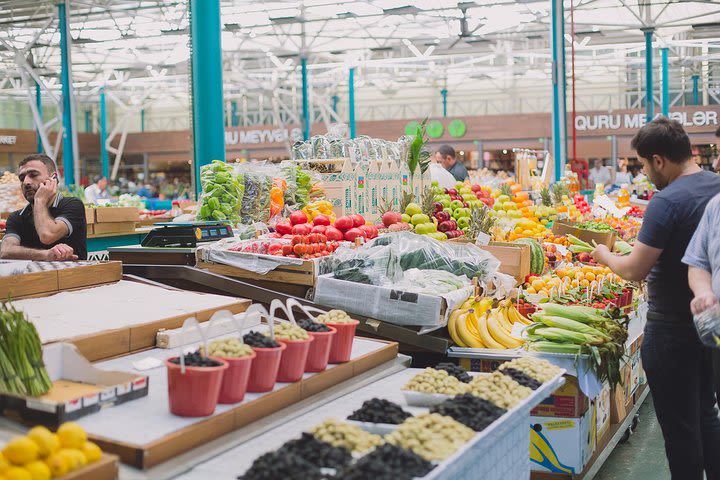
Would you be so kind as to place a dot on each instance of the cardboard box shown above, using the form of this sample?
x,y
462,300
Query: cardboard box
x,y
561,445
637,374
116,214
113,227
79,389
602,408
514,258
563,228
89,215
620,405
482,365
567,401
386,304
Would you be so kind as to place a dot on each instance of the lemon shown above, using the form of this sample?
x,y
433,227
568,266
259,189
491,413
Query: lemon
x,y
46,441
17,473
20,450
38,470
71,435
73,457
4,465
57,464
91,451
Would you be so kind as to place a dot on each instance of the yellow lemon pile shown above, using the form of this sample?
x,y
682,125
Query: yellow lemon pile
x,y
42,455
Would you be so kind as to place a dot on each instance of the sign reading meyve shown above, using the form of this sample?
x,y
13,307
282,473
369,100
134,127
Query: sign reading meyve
x,y
265,135
8,140
636,120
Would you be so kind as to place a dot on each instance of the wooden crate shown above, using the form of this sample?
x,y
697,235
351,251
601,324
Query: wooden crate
x,y
161,450
89,215
607,239
113,227
53,281
514,258
89,275
18,286
104,469
304,274
116,214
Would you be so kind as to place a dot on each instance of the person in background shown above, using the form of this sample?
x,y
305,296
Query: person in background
x,y
446,157
97,191
677,365
438,173
622,176
716,163
598,174
50,227
144,191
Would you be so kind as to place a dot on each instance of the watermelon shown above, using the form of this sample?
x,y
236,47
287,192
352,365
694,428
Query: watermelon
x,y
537,256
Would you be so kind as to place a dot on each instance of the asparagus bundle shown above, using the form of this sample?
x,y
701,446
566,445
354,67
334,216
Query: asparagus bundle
x,y
21,362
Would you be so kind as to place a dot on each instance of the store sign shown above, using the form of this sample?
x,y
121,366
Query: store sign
x,y
633,121
253,137
436,129
8,139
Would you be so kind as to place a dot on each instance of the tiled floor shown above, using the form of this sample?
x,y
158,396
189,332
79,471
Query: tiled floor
x,y
642,457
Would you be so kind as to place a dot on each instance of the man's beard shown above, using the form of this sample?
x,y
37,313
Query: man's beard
x,y
29,194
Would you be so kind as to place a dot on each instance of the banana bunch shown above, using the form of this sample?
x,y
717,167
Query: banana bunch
x,y
477,325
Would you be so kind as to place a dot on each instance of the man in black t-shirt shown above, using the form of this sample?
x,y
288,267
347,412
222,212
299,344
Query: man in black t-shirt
x,y
677,365
50,227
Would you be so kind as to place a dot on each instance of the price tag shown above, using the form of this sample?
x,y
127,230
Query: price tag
x,y
482,239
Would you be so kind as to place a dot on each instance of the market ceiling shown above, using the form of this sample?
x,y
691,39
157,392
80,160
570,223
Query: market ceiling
x,y
133,46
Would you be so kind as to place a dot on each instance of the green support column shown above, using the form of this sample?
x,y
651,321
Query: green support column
x,y
305,99
233,114
665,82
142,119
351,101
38,103
696,89
335,100
69,139
649,100
207,93
104,159
88,123
444,93
559,113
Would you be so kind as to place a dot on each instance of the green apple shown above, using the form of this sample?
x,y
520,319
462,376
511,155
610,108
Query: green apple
x,y
501,213
515,214
455,204
497,206
405,218
431,226
465,190
468,197
423,228
465,212
445,202
503,198
419,218
463,222
457,213
413,209
459,185
435,183
507,206
438,236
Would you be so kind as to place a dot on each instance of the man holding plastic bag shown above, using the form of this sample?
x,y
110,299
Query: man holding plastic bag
x,y
703,260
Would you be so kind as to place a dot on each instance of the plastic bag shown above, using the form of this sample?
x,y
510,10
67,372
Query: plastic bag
x,y
707,325
255,206
222,192
277,200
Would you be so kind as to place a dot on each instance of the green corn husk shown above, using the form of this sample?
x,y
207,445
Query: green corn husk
x,y
554,347
578,313
572,325
580,249
567,336
576,241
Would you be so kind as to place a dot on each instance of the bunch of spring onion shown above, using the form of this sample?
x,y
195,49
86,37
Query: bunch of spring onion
x,y
575,329
21,361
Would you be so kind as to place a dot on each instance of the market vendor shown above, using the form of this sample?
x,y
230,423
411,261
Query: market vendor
x,y
446,156
51,227
677,365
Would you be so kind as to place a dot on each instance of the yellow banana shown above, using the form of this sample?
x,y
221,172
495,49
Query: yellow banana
x,y
452,328
485,337
515,316
499,334
504,319
465,334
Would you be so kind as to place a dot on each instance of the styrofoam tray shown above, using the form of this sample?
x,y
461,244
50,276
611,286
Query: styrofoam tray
x,y
420,399
376,428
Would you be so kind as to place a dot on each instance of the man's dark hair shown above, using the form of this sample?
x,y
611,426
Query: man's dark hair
x,y
40,157
447,151
663,137
97,178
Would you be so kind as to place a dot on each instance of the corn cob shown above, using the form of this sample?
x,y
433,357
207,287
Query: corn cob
x,y
568,336
553,347
568,324
573,312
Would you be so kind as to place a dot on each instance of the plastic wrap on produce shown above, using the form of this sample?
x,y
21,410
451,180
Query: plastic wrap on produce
x,y
222,192
220,252
256,199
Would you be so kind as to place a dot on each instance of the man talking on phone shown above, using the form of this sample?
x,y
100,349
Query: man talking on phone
x,y
51,227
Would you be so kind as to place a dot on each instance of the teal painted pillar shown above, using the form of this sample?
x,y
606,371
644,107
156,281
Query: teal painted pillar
x,y
559,112
142,119
104,159
665,82
207,89
335,100
649,101
233,114
696,89
444,93
88,125
68,156
38,103
351,102
305,99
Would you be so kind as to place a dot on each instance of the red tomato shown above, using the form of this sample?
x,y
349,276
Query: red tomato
x,y
296,239
287,250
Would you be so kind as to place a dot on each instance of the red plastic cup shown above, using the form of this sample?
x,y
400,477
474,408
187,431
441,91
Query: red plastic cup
x,y
319,352
342,343
235,379
195,392
264,369
292,364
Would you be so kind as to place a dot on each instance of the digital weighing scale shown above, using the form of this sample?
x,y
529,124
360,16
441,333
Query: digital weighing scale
x,y
188,234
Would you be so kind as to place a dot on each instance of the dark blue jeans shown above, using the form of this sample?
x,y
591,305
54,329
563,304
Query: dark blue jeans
x,y
680,376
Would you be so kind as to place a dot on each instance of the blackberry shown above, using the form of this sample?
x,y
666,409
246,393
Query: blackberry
x,y
310,326
474,412
288,466
196,359
258,340
522,378
388,462
454,371
320,454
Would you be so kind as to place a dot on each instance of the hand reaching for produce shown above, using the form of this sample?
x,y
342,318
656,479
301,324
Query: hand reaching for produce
x,y
702,302
601,254
60,252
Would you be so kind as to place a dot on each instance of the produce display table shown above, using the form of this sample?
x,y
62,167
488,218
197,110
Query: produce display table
x,y
137,254
97,245
500,451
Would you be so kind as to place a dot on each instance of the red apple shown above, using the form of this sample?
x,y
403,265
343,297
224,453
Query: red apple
x,y
297,217
333,234
357,220
283,228
301,229
442,216
344,223
321,220
367,230
390,218
475,188
353,234
318,229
